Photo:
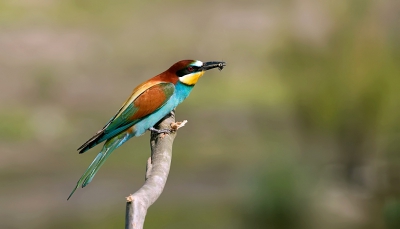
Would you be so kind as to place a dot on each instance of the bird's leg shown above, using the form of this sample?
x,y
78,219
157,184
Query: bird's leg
x,y
164,131
174,127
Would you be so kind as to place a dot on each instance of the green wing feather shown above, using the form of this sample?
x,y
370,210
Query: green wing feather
x,y
121,120
115,131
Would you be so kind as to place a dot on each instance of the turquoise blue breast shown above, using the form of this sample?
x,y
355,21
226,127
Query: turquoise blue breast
x,y
181,92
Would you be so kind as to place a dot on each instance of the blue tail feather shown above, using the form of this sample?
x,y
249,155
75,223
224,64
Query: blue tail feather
x,y
99,160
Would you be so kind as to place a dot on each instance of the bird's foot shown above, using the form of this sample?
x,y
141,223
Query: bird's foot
x,y
163,131
174,127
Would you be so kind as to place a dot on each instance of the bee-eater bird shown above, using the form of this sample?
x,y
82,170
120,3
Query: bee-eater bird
x,y
148,104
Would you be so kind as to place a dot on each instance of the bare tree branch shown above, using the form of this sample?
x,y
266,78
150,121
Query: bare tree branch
x,y
157,170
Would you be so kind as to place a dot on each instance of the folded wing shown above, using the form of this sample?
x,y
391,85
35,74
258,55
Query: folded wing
x,y
145,99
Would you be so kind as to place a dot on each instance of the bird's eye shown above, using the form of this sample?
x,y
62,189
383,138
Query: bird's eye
x,y
190,69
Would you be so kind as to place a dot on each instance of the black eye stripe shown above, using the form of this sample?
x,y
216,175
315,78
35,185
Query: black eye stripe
x,y
187,70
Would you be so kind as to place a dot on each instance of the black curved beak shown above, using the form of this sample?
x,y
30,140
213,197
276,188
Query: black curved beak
x,y
213,64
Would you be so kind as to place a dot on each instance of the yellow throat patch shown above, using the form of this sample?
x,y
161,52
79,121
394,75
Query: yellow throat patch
x,y
191,79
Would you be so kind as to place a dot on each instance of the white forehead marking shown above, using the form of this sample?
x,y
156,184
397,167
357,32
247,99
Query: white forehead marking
x,y
197,63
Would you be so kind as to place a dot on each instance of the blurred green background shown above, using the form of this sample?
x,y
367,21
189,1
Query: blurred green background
x,y
300,130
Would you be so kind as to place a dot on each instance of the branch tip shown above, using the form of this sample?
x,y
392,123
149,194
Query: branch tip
x,y
176,125
129,198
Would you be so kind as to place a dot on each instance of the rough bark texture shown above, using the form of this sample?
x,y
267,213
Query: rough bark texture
x,y
157,170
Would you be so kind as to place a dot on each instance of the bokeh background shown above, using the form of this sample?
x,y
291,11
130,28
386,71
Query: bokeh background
x,y
300,130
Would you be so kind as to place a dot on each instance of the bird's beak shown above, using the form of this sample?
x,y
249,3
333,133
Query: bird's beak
x,y
213,64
